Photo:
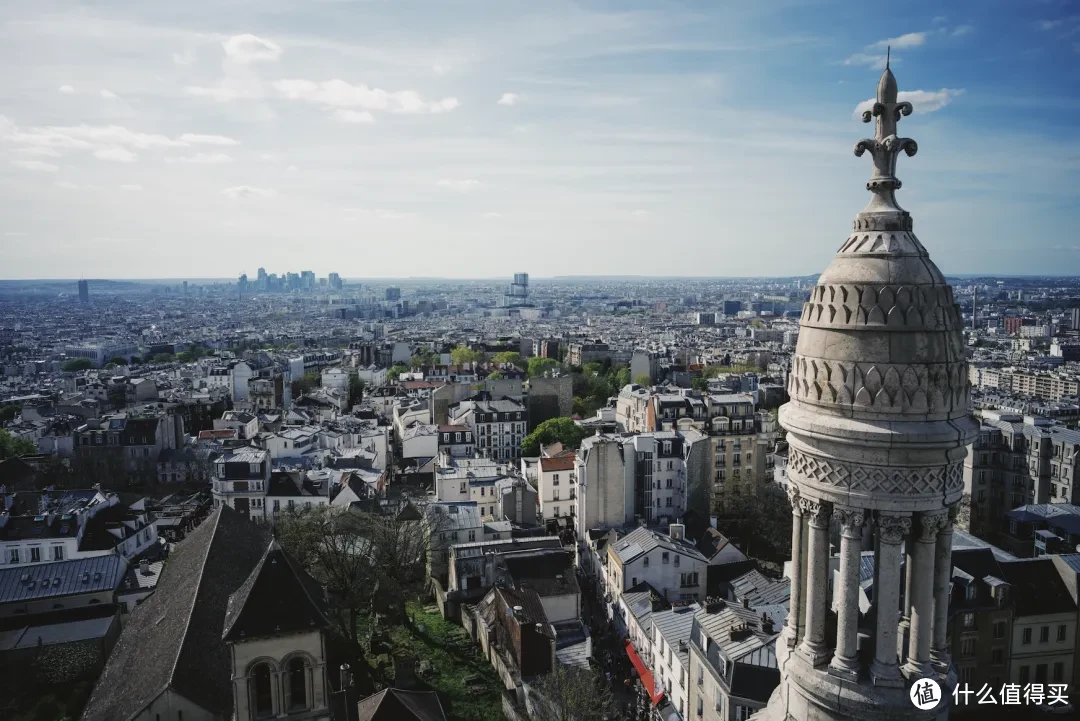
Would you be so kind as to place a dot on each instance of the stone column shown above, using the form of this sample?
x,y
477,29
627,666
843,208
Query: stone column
x,y
939,646
817,550
845,662
885,669
794,620
904,634
923,582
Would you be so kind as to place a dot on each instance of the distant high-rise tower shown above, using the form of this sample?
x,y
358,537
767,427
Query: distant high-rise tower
x,y
878,429
393,293
334,281
518,292
84,291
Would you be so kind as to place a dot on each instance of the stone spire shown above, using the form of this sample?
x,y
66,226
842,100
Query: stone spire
x,y
878,428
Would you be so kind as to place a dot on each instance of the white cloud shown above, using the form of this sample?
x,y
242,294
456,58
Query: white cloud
x,y
108,94
133,187
459,184
201,158
924,101
939,20
65,185
875,61
248,48
247,191
440,69
116,155
36,150
907,40
1049,24
65,90
961,30
493,215
220,94
185,58
340,94
89,137
354,116
35,165
508,98
198,139
639,213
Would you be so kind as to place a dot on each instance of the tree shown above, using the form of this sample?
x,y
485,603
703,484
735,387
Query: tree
x,y
395,371
291,346
162,358
563,430
305,384
463,355
495,375
77,364
759,521
10,446
185,356
8,413
367,561
643,379
356,390
539,366
118,360
700,383
507,357
423,357
573,694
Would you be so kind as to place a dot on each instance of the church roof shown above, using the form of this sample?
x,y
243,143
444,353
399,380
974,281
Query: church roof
x,y
277,597
173,639
396,705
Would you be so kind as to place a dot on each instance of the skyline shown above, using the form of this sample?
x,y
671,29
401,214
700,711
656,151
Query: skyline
x,y
394,136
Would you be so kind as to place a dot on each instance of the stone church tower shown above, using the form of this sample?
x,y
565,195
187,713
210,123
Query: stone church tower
x,y
878,427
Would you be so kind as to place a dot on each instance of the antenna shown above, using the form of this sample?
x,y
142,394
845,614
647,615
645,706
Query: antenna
x,y
888,55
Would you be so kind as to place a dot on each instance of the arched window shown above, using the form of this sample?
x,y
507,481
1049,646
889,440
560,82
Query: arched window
x,y
262,691
297,672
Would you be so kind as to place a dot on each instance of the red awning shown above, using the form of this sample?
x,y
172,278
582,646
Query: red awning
x,y
644,674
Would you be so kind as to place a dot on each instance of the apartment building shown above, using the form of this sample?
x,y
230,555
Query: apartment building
x,y
732,667
241,481
741,442
667,562
557,488
499,426
1048,385
1043,640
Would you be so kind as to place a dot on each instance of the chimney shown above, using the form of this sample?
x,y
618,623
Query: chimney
x,y
746,602
676,531
712,521
766,623
144,567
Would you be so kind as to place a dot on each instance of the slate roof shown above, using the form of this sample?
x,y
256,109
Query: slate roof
x,y
173,639
393,704
1039,588
754,682
278,597
61,578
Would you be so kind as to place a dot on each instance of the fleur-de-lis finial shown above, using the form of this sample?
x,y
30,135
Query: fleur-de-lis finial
x,y
885,146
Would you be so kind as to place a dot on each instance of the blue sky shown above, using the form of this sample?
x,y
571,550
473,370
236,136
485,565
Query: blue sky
x,y
478,138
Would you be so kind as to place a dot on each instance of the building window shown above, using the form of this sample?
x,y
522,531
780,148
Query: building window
x,y
971,592
665,557
967,647
1040,673
1044,634
297,671
35,554
1061,632
1059,672
645,562
997,656
13,555
1025,675
999,629
262,692
58,553
700,707
1027,636
969,620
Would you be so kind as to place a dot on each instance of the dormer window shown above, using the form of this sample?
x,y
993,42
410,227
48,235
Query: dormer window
x,y
970,592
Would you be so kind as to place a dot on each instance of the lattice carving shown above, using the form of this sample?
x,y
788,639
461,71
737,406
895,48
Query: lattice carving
x,y
924,480
882,388
892,307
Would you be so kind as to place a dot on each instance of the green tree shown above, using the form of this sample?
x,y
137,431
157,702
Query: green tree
x,y
185,356
758,520
507,356
564,430
643,379
8,413
463,355
495,375
291,346
539,366
356,390
621,376
700,383
568,693
423,357
395,372
118,360
10,446
162,358
77,364
305,384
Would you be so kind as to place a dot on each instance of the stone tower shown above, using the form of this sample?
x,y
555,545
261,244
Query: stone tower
x,y
878,427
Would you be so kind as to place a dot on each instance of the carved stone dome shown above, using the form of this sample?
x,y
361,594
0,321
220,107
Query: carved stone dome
x,y
879,383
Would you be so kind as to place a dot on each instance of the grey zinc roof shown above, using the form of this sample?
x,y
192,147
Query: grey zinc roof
x,y
757,648
642,540
56,633
61,578
674,626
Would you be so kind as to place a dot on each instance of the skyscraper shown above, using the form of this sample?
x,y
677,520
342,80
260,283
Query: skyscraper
x,y
84,291
877,427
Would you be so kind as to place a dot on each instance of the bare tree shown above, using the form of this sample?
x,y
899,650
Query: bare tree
x,y
573,694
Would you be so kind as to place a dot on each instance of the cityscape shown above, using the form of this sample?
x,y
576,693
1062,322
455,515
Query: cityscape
x,y
461,471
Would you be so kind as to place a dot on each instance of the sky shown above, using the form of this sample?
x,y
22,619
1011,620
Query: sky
x,y
477,138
